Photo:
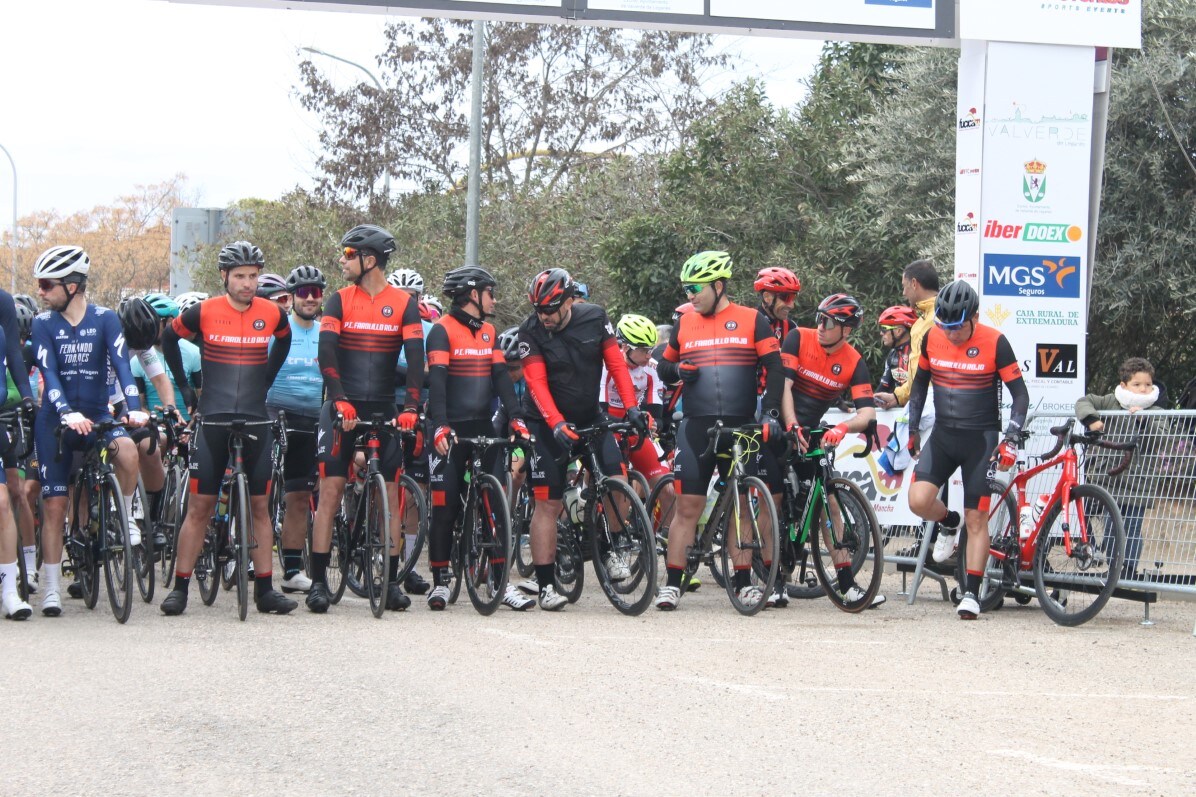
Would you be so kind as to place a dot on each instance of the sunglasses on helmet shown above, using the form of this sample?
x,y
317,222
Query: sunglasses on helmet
x,y
309,292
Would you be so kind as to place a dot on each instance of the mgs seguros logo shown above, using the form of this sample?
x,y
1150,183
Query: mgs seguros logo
x,y
1032,275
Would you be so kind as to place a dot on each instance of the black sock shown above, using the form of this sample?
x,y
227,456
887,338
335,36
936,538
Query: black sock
x,y
182,583
319,567
545,575
951,521
292,561
441,576
743,577
846,579
155,504
394,568
497,569
673,576
972,582
262,583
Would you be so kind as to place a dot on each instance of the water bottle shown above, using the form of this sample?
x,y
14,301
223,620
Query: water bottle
x,y
222,501
711,499
573,504
1040,506
1026,522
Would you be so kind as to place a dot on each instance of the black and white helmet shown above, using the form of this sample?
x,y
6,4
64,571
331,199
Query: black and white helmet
x,y
508,341
61,262
190,299
407,279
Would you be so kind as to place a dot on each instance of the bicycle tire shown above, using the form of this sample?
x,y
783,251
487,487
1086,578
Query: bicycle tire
x,y
639,484
1100,514
340,546
485,541
521,518
633,542
143,555
240,523
754,537
22,571
1002,533
797,566
172,508
661,510
569,569
860,536
412,503
82,548
207,565
375,543
118,554
276,507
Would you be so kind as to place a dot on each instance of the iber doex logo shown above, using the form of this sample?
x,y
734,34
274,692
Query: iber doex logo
x,y
1057,361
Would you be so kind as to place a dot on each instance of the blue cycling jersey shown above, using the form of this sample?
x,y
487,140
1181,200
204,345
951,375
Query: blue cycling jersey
x,y
401,368
299,386
74,361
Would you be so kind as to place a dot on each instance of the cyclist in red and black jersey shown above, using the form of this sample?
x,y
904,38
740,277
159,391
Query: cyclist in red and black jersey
x,y
563,347
895,323
233,333
364,326
778,288
967,362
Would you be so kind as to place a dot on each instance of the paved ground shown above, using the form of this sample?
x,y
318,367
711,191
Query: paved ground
x,y
898,701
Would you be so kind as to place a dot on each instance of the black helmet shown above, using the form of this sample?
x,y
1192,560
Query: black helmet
x,y
139,322
461,281
371,237
956,303
27,300
305,275
550,288
842,308
24,319
240,253
508,341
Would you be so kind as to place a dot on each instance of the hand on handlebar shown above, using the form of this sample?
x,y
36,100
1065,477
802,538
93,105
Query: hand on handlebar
x,y
348,414
565,435
519,430
1006,455
834,436
78,422
442,439
407,419
640,419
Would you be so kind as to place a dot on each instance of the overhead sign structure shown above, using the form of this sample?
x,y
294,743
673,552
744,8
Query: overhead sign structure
x,y
1098,23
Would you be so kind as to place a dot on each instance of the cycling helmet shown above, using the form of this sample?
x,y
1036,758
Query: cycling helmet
x,y
24,320
706,267
508,341
777,280
407,279
636,330
270,285
189,299
240,253
956,303
681,310
27,300
550,288
842,308
305,275
897,316
371,237
139,322
163,305
62,262
460,281
583,291
430,308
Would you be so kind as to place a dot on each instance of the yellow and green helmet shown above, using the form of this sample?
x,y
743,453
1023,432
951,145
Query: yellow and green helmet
x,y
706,267
636,330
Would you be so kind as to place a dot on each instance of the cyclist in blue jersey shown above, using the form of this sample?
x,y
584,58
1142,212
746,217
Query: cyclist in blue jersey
x,y
167,310
298,391
76,344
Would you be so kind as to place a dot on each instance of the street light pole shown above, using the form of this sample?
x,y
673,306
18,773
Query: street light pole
x,y
13,242
378,83
474,191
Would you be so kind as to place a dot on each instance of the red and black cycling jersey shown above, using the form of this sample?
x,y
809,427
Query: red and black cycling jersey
x,y
896,368
781,327
727,347
819,377
564,369
238,364
466,371
967,381
360,339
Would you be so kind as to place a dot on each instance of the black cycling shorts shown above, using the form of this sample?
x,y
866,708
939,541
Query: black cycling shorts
x,y
969,450
335,448
548,476
210,457
299,464
692,470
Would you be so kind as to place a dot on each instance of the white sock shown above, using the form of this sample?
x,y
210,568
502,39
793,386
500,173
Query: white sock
x,y
53,574
134,529
30,552
8,577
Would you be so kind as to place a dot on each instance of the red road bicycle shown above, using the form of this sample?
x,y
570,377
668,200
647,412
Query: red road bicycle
x,y
1074,548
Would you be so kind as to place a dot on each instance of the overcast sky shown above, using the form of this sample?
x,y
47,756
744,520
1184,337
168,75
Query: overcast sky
x,y
102,95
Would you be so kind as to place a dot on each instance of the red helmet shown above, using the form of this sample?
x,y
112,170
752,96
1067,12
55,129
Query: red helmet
x,y
777,280
550,288
842,308
897,316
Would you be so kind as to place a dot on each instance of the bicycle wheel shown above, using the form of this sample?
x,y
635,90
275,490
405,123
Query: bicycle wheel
x,y
859,539
639,483
82,545
485,545
1074,586
118,554
412,511
521,521
1000,572
661,506
276,506
622,542
341,547
375,543
143,554
172,507
753,533
240,530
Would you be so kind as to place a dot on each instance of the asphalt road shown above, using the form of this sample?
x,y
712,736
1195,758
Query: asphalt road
x,y
897,701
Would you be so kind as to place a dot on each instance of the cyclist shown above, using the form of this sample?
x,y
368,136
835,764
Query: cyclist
x,y
76,344
919,286
274,288
21,474
233,332
563,347
508,342
778,288
430,308
715,350
966,362
637,337
12,498
299,391
167,310
820,365
895,323
365,324
465,372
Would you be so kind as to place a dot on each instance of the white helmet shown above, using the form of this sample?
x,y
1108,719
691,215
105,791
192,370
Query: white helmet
x,y
406,279
189,299
59,262
432,302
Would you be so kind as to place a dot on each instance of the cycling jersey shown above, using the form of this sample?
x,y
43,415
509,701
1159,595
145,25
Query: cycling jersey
x,y
360,338
781,327
191,367
13,397
238,362
917,334
299,386
465,370
896,368
74,361
967,381
14,349
646,383
727,347
819,377
563,369
401,370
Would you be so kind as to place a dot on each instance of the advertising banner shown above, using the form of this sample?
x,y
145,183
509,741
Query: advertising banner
x,y
1033,243
1099,23
876,13
969,151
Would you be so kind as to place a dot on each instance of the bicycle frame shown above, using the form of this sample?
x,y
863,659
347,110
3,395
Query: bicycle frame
x,y
1061,492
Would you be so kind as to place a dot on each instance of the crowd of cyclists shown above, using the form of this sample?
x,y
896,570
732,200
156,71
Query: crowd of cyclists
x,y
384,348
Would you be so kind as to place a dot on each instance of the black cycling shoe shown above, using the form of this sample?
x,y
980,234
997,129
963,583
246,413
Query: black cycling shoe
x,y
318,600
159,541
274,602
75,590
395,599
175,603
416,584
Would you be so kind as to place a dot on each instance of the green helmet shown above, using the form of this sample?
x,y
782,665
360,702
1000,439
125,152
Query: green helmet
x,y
706,267
636,330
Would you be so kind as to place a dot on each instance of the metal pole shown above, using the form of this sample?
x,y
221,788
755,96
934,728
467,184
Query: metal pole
x,y
474,193
13,242
378,83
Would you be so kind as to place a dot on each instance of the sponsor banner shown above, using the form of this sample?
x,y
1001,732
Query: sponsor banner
x,y
1032,237
695,7
969,151
870,13
1099,23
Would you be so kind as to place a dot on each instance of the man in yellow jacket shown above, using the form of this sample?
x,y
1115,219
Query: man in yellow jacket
x,y
919,286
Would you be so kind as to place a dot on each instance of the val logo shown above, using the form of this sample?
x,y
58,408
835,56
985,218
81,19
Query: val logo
x,y
1057,361
1032,275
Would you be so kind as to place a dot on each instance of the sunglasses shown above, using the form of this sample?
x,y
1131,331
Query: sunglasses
x,y
886,328
351,253
826,322
309,292
49,285
785,297
950,326
547,311
693,290
281,298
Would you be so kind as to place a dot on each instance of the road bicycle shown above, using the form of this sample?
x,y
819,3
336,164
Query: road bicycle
x,y
277,503
1074,549
482,534
172,507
